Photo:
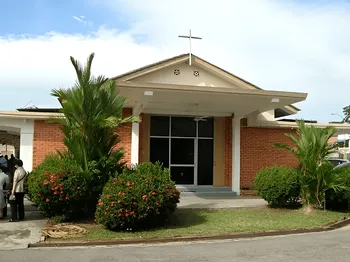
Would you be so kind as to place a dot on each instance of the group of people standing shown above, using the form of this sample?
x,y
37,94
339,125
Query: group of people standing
x,y
12,176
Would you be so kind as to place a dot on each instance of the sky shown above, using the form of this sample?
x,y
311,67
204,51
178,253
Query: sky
x,y
286,45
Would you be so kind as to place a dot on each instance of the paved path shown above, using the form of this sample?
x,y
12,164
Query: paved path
x,y
326,246
221,202
18,235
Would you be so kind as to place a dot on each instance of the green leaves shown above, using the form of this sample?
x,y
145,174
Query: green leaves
x,y
346,111
92,112
310,146
278,185
137,198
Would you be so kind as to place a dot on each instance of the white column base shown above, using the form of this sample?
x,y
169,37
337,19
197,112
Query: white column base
x,y
236,156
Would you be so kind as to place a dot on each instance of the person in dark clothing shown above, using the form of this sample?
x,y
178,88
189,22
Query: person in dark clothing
x,y
17,193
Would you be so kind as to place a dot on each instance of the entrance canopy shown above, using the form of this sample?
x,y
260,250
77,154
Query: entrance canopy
x,y
172,86
156,98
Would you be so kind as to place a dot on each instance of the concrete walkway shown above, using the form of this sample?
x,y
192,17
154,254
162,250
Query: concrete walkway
x,y
18,235
221,202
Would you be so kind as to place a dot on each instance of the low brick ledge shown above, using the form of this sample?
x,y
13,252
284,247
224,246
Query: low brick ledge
x,y
248,192
112,242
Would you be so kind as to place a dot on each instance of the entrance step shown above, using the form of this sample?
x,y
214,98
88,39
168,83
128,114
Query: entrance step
x,y
206,191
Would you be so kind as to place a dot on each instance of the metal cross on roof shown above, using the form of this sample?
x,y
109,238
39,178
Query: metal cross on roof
x,y
190,37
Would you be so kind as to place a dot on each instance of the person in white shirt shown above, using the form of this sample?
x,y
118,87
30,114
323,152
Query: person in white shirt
x,y
4,179
18,192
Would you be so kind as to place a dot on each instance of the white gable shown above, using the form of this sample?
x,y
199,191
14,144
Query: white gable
x,y
184,74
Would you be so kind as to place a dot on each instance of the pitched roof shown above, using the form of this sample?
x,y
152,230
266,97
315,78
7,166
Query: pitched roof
x,y
182,57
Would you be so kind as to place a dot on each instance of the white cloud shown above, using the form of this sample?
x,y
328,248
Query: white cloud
x,y
81,19
277,45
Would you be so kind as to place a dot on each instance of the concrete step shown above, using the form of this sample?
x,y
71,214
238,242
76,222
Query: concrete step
x,y
182,188
209,194
206,191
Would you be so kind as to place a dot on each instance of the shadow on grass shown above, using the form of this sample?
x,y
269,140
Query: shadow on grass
x,y
183,218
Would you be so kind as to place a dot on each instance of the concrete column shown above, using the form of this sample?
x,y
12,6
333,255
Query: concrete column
x,y
236,155
135,143
135,133
26,144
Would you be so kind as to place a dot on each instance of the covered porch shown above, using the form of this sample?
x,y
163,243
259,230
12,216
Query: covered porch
x,y
16,136
202,102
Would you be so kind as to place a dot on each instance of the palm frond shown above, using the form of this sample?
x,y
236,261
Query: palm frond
x,y
93,112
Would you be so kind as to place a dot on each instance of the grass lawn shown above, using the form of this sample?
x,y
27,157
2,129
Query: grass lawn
x,y
189,222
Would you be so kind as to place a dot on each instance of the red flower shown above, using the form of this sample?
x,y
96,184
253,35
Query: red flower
x,y
46,182
47,200
39,195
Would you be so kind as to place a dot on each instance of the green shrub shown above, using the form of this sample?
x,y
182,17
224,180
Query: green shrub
x,y
103,169
339,200
59,188
138,198
278,185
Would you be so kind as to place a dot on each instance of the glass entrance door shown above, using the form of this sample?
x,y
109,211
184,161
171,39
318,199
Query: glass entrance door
x,y
185,146
182,161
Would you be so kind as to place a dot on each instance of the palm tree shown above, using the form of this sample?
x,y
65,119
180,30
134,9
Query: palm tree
x,y
311,148
92,112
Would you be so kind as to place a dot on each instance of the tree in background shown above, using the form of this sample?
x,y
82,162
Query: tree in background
x,y
346,112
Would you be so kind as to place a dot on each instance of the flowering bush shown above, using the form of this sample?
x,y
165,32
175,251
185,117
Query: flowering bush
x,y
59,188
138,198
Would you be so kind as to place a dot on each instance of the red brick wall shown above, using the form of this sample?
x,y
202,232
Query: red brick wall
x,y
257,151
125,137
48,138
